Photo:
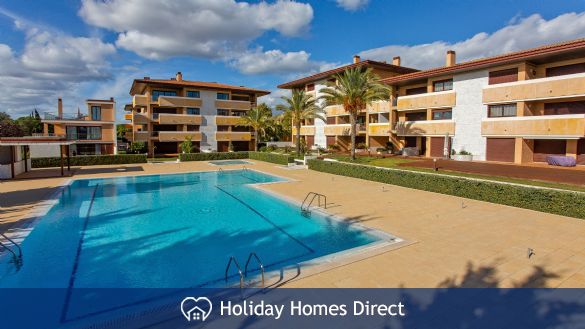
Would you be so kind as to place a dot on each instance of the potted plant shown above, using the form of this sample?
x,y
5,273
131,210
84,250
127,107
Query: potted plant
x,y
463,156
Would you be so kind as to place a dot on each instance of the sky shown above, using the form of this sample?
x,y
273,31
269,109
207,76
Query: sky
x,y
95,48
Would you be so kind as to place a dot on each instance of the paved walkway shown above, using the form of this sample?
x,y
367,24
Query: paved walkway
x,y
454,241
573,175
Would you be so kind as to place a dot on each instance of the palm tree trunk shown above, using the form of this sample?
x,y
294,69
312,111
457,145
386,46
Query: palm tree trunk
x,y
352,121
256,140
298,137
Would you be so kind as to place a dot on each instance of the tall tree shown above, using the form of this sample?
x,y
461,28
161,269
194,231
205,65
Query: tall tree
x,y
9,128
5,117
354,89
300,106
121,132
258,118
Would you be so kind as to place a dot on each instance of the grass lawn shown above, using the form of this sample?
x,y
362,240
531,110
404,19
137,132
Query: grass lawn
x,y
393,162
162,159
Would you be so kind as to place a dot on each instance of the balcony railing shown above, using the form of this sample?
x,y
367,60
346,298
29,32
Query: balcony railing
x,y
78,137
66,116
551,126
440,99
425,128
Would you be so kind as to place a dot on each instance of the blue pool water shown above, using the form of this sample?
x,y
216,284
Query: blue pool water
x,y
170,231
229,162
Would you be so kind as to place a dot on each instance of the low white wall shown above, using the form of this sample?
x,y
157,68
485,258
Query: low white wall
x,y
279,144
6,171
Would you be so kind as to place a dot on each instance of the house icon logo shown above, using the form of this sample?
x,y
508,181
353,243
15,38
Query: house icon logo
x,y
196,309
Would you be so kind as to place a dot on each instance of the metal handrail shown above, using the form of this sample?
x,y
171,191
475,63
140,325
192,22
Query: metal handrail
x,y
17,258
305,208
259,263
233,259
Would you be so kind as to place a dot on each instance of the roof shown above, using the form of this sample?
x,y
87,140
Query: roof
x,y
325,74
35,140
100,100
528,54
197,84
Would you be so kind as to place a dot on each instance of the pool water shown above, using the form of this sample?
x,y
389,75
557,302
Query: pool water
x,y
170,231
229,162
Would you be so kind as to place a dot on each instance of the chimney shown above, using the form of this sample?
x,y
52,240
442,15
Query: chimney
x,y
111,99
396,61
179,76
450,61
60,107
146,78
356,59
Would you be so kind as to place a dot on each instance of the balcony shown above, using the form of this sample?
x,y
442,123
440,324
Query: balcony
x,y
440,99
224,120
222,136
305,130
128,116
549,126
425,128
380,107
176,101
177,136
379,129
140,119
141,136
140,100
233,105
178,119
335,110
572,85
65,117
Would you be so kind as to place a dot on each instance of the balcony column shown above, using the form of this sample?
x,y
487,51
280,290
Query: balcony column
x,y
523,150
571,148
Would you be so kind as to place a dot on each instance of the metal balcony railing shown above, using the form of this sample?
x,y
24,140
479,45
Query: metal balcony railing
x,y
65,116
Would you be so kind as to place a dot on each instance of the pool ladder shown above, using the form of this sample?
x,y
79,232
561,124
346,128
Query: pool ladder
x,y
244,274
13,248
309,199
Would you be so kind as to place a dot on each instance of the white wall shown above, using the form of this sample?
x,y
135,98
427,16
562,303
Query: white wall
x,y
468,113
42,151
208,126
320,138
5,167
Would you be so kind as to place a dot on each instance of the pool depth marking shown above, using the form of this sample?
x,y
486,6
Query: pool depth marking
x,y
266,219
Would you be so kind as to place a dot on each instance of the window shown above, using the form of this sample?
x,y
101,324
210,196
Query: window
x,y
193,111
443,85
194,94
245,98
416,91
157,93
192,128
86,149
565,69
330,120
416,116
223,96
503,76
96,113
223,112
84,133
238,113
442,114
223,128
505,110
311,87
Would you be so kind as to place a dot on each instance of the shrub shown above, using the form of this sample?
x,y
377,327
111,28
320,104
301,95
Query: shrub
x,y
463,152
564,203
263,149
361,146
89,160
282,159
213,156
137,147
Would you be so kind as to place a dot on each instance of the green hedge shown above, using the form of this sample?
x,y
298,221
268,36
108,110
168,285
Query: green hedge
x,y
282,159
89,160
213,156
565,203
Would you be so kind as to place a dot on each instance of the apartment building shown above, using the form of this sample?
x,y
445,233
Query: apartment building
x,y
93,130
518,107
374,123
164,112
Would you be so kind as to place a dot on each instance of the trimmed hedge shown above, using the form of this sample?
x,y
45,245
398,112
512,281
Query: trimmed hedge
x,y
566,203
89,160
213,156
282,159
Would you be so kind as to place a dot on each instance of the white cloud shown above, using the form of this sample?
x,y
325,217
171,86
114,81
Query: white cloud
x,y
352,5
216,29
275,61
274,98
520,34
50,65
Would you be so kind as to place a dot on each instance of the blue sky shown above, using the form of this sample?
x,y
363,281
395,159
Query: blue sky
x,y
94,49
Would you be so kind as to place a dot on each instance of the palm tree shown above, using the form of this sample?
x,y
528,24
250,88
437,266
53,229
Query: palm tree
x,y
354,89
258,118
301,106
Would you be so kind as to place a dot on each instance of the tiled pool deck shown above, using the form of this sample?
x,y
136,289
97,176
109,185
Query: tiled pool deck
x,y
454,241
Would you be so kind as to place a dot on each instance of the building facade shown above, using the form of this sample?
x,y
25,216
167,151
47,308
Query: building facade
x,y
373,123
518,107
93,131
164,113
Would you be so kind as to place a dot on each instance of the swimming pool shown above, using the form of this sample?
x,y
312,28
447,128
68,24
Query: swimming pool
x,y
229,162
171,231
